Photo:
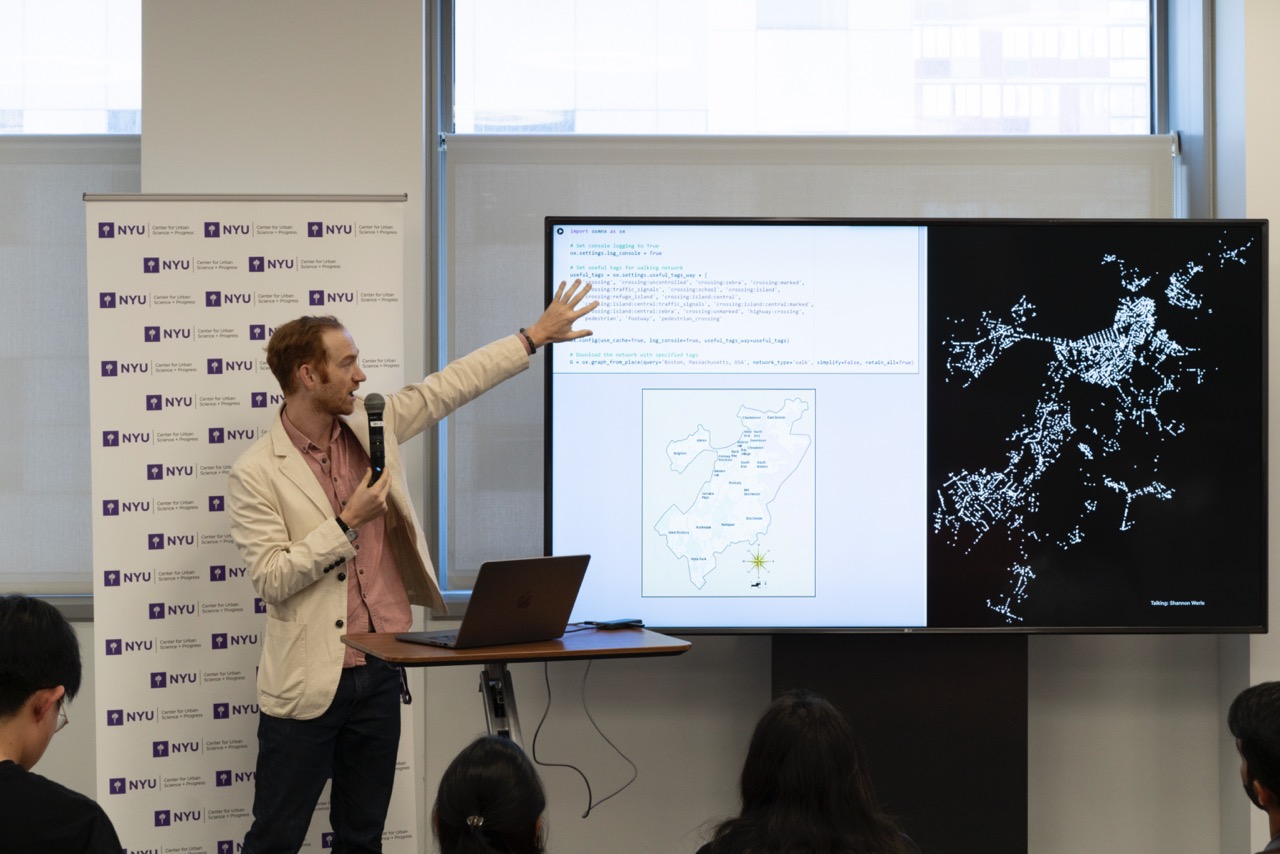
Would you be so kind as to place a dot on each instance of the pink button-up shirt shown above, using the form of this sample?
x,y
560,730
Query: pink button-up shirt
x,y
376,598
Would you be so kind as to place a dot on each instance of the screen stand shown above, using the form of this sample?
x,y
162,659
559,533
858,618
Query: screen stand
x,y
500,702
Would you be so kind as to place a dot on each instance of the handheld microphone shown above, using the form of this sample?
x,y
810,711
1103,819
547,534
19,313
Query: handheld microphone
x,y
374,406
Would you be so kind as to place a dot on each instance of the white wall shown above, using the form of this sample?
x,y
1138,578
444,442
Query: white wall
x,y
1126,736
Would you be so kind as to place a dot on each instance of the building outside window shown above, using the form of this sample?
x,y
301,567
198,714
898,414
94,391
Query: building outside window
x,y
766,67
70,66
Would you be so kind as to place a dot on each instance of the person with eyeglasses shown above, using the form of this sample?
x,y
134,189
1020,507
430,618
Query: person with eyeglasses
x,y
40,673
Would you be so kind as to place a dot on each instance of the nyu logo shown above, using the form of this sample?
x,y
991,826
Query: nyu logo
x,y
260,331
109,230
319,229
157,471
157,403
216,503
152,334
330,297
116,646
216,299
223,711
228,846
111,299
113,507
228,777
259,605
159,610
261,263
121,785
218,366
114,578
154,264
159,542
120,717
163,679
112,368
218,435
114,438
263,399
220,572
215,229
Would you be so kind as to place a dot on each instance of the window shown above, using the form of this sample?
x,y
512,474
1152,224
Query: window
x,y
767,67
70,66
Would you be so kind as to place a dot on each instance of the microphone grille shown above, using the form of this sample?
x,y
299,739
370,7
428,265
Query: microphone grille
x,y
374,404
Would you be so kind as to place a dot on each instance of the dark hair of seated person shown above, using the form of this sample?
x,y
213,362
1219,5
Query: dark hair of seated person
x,y
804,789
490,801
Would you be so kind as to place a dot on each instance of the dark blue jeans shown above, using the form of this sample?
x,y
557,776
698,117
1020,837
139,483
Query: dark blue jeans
x,y
355,741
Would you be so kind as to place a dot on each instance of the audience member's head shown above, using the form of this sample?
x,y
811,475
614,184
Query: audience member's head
x,y
804,788
490,800
1254,719
39,672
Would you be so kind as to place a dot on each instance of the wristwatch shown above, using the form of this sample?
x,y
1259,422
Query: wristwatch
x,y
351,533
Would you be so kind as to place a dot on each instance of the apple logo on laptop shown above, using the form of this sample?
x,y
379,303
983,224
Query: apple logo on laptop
x,y
525,599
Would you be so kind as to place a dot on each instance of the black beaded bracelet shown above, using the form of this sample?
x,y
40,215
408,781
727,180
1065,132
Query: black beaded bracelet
x,y
532,349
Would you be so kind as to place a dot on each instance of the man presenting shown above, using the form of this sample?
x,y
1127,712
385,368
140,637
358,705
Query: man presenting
x,y
330,554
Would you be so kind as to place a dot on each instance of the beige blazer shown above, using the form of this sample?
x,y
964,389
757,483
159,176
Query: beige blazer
x,y
283,524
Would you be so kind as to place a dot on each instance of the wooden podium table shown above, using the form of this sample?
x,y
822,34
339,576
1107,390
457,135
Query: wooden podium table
x,y
495,680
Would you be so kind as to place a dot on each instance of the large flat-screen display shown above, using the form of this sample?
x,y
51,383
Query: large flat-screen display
x,y
1028,425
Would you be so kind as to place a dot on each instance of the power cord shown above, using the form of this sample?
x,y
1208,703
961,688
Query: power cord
x,y
635,772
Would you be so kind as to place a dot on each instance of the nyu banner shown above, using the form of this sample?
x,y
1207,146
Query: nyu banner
x,y
183,295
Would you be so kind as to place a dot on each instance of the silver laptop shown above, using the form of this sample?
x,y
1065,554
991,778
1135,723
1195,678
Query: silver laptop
x,y
514,601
